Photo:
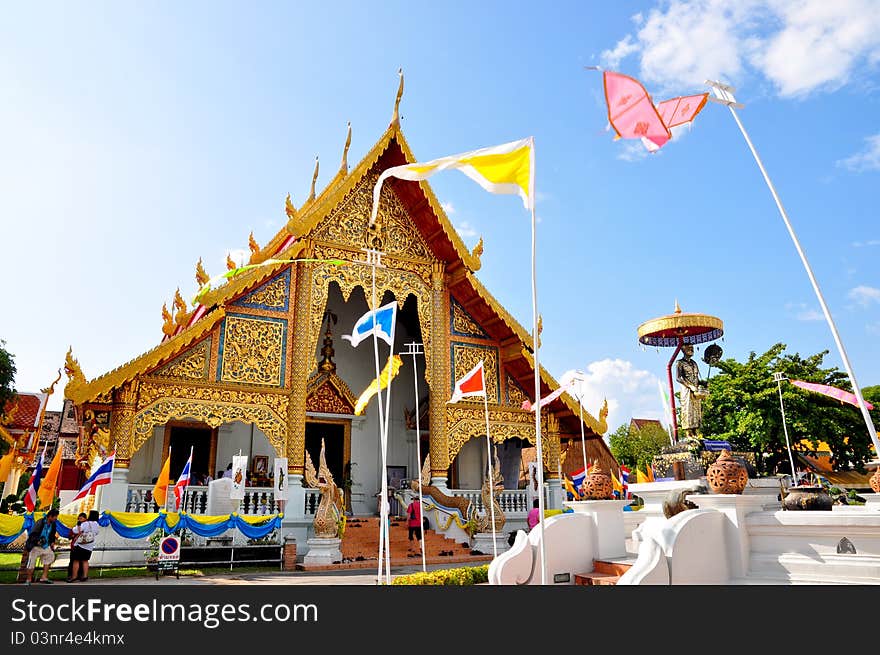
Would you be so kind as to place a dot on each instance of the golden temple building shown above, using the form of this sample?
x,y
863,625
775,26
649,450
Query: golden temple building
x,y
258,366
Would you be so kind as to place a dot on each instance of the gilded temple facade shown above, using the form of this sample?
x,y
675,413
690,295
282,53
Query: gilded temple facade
x,y
258,366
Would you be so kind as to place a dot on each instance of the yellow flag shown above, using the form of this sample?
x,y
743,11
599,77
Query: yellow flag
x,y
50,482
388,373
616,484
160,490
6,464
641,477
508,168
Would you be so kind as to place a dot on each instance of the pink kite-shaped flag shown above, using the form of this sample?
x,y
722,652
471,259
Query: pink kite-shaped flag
x,y
631,112
633,115
834,392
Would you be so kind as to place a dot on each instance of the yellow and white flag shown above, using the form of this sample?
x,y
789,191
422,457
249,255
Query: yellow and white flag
x,y
508,168
388,373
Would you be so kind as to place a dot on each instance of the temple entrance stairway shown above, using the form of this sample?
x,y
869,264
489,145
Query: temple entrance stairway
x,y
360,547
605,572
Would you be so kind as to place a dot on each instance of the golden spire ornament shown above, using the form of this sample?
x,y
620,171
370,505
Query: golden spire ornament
x,y
343,168
289,209
201,275
314,181
395,117
230,265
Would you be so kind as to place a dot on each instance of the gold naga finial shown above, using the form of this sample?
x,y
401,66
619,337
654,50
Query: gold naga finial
x,y
230,264
343,168
677,308
75,376
478,249
167,321
314,181
395,117
252,244
289,209
51,388
181,316
540,323
201,275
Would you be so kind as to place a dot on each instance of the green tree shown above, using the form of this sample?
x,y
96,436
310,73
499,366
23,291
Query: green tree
x,y
7,377
743,408
636,447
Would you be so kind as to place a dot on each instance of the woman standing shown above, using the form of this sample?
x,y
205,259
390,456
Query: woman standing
x,y
85,534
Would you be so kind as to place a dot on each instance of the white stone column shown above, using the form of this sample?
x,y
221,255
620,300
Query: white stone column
x,y
735,507
607,515
294,507
555,495
114,496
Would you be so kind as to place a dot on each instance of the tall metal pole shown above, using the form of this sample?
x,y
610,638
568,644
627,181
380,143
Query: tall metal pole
x,y
724,95
779,377
672,391
416,349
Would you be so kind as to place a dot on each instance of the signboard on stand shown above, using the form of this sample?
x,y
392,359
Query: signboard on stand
x,y
279,478
169,556
239,476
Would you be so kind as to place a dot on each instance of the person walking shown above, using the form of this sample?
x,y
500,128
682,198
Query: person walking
x,y
85,534
414,522
40,545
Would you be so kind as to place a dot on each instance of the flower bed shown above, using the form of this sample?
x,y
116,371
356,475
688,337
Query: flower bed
x,y
446,577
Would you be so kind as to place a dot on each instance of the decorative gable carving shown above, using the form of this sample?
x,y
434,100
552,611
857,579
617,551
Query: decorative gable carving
x,y
327,393
191,365
515,394
347,223
462,324
271,295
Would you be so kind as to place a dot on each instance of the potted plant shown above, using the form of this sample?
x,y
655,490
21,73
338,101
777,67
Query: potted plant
x,y
151,555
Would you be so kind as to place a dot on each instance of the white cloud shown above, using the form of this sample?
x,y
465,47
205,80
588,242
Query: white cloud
x,y
868,159
864,295
625,47
633,151
465,230
448,207
630,392
801,46
862,244
802,312
810,315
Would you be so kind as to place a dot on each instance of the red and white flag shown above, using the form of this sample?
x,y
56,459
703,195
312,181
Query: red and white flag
x,y
30,499
472,383
567,382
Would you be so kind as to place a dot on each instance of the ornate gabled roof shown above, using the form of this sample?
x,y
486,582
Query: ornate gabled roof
x,y
311,214
344,400
79,390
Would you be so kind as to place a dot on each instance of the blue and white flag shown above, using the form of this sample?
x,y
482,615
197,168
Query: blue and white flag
x,y
380,322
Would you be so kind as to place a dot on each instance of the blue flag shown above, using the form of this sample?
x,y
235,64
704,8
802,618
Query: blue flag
x,y
380,322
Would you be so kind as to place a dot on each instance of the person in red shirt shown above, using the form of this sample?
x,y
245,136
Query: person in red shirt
x,y
534,516
414,521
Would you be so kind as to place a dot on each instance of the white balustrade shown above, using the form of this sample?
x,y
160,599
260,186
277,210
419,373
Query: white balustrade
x,y
256,501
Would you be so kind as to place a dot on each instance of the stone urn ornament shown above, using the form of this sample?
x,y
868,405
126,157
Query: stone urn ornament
x,y
875,481
807,497
597,484
727,475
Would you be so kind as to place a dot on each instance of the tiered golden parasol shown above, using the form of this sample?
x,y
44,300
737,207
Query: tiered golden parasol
x,y
678,329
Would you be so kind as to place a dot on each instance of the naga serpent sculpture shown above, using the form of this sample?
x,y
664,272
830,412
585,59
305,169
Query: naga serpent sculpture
x,y
329,510
490,502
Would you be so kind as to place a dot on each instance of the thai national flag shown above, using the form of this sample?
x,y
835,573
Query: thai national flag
x,y
30,499
183,480
577,477
380,322
624,481
101,475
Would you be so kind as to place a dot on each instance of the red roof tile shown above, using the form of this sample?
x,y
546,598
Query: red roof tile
x,y
25,410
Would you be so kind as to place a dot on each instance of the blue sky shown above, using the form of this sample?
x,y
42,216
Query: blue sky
x,y
138,137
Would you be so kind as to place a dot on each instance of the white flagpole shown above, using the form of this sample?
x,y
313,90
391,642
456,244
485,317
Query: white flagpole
x,y
724,95
489,461
385,441
416,349
538,450
372,256
583,439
